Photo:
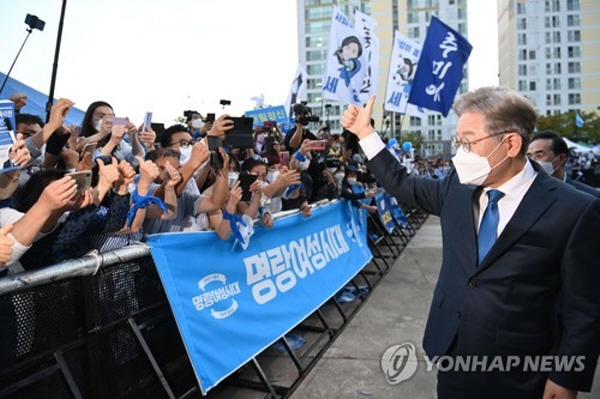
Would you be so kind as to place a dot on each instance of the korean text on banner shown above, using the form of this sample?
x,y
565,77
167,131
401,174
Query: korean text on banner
x,y
228,312
440,70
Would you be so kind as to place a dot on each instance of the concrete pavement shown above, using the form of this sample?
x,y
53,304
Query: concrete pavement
x,y
395,313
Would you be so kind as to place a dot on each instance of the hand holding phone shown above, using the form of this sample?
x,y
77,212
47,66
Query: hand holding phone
x,y
246,180
284,157
318,145
83,180
214,143
118,121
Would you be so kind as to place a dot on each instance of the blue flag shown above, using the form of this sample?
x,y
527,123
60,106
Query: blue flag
x,y
579,120
440,68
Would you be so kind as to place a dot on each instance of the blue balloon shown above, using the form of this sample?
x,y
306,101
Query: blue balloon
x,y
391,143
407,146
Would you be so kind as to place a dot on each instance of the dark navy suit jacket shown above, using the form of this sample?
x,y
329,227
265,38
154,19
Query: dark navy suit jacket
x,y
583,187
507,304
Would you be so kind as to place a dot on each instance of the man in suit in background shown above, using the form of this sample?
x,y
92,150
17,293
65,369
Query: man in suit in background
x,y
515,240
550,150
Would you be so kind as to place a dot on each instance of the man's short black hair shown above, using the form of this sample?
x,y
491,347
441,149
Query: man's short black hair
x,y
559,146
250,163
29,119
159,153
165,138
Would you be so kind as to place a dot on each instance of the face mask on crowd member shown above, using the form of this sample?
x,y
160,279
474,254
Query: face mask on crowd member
x,y
273,174
182,141
197,124
471,167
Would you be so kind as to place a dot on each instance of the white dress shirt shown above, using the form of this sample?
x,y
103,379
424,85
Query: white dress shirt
x,y
514,190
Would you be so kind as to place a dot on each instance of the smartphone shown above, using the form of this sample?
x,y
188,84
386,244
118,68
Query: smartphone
x,y
284,156
241,134
89,147
214,143
147,121
269,141
246,180
116,121
83,180
318,145
210,118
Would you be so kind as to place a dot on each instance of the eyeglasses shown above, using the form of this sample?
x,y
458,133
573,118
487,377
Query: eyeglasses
x,y
465,143
182,143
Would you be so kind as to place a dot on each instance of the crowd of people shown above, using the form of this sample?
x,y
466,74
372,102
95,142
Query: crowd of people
x,y
140,183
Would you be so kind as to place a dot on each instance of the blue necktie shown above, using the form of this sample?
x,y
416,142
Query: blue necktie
x,y
489,224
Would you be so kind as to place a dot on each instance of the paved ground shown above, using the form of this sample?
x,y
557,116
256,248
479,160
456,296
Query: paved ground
x,y
394,314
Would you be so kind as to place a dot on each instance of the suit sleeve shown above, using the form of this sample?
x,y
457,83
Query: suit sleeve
x,y
580,273
417,191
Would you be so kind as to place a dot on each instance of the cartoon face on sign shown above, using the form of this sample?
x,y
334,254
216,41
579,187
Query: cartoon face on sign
x,y
348,55
405,74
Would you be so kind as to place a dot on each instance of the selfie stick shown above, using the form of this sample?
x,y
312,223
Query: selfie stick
x,y
55,65
29,30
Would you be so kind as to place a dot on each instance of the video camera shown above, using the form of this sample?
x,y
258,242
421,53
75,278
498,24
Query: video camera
x,y
303,114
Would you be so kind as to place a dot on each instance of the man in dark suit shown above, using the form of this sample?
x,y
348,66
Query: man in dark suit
x,y
515,240
550,150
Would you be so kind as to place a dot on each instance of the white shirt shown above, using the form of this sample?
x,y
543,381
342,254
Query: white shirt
x,y
514,190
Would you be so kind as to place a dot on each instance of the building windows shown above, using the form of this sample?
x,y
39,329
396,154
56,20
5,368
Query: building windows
x,y
522,70
521,8
317,26
574,51
532,86
314,69
556,83
522,23
574,98
532,54
315,55
574,67
548,99
414,32
556,52
314,97
522,85
556,5
574,36
548,68
314,41
548,53
572,5
522,55
552,22
461,14
574,83
556,37
548,84
522,39
314,83
573,20
461,29
414,121
557,68
318,13
556,99
413,17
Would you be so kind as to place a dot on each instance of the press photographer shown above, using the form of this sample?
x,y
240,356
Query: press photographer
x,y
303,117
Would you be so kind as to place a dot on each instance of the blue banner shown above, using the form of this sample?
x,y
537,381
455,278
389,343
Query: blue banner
x,y
440,68
231,305
384,211
397,212
272,114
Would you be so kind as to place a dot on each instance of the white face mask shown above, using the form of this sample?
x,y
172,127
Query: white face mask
x,y
272,176
472,168
186,153
232,178
197,124
351,180
98,124
548,166
332,170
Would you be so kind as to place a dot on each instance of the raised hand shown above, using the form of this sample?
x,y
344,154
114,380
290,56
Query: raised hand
x,y
358,120
126,172
235,196
57,194
200,154
19,154
222,125
59,111
148,170
6,244
171,176
108,174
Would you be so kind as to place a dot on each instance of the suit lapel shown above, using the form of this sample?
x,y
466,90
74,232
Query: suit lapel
x,y
535,202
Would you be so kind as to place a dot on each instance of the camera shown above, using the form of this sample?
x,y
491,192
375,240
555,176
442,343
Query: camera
x,y
189,114
34,22
303,114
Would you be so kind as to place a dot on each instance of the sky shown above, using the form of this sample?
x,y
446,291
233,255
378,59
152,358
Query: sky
x,y
169,56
